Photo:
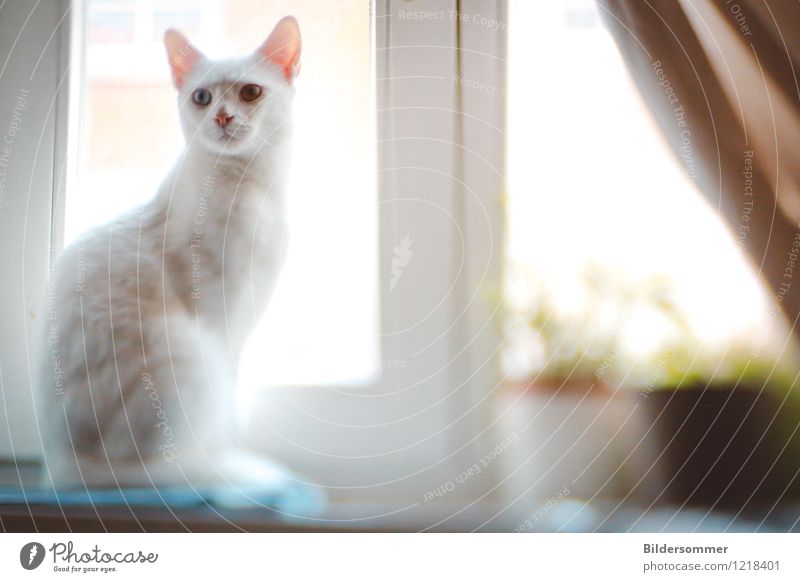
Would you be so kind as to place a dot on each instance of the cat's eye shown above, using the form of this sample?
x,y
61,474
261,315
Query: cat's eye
x,y
202,97
250,92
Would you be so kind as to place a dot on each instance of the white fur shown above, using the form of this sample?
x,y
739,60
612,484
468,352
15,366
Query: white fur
x,y
147,315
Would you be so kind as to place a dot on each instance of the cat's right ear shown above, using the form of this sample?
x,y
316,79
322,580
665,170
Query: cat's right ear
x,y
182,56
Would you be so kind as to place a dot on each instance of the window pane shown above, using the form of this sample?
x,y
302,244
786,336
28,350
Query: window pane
x,y
112,26
187,21
604,223
321,326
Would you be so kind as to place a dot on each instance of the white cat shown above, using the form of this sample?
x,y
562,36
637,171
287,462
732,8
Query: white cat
x,y
147,315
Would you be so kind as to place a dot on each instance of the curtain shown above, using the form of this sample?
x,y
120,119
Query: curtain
x,y
721,79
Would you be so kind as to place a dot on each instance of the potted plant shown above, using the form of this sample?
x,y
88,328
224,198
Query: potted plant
x,y
565,367
722,429
683,424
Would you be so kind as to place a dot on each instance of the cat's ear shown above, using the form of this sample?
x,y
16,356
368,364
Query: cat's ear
x,y
283,47
182,56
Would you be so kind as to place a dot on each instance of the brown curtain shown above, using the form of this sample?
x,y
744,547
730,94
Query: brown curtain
x,y
720,77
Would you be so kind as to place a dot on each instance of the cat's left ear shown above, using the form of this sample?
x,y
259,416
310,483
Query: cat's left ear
x,y
182,56
283,47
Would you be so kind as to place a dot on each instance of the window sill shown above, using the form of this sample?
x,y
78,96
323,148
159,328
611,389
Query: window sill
x,y
338,518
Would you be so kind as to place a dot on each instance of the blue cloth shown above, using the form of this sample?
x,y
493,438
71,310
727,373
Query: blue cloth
x,y
288,498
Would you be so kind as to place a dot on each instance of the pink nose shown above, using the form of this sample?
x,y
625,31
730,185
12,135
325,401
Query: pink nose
x,y
223,119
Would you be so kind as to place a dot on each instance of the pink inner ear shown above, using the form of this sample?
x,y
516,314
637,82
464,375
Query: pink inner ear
x,y
283,47
182,55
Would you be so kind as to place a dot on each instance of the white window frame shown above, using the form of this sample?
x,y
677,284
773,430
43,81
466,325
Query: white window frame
x,y
425,118
36,44
457,429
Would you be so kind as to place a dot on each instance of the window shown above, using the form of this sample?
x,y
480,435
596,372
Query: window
x,y
377,297
596,195
130,135
374,302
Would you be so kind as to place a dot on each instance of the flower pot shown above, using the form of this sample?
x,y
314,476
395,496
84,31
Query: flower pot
x,y
722,447
574,441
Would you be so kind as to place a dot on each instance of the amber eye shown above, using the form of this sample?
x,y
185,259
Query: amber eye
x,y
202,97
250,93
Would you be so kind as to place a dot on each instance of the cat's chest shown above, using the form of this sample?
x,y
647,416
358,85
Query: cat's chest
x,y
233,217
244,243
256,229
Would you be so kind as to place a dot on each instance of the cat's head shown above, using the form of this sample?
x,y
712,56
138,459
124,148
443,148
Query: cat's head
x,y
236,106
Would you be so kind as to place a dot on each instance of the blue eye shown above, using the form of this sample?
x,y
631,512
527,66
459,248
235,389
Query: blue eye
x,y
202,97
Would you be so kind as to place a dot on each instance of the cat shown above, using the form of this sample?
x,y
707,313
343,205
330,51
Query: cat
x,y
146,316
